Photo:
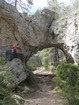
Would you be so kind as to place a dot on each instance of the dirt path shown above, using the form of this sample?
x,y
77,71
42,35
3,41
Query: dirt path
x,y
45,94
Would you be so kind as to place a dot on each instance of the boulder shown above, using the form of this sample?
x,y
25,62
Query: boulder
x,y
17,69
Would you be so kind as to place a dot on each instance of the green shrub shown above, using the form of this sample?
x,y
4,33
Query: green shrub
x,y
5,96
45,63
2,60
5,77
67,79
5,91
34,62
31,66
44,58
8,101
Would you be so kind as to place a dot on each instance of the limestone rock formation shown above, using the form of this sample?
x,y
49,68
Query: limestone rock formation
x,y
18,72
40,31
67,31
28,32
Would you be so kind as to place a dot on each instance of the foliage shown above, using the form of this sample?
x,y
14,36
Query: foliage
x,y
44,53
31,65
40,59
5,76
7,101
68,80
2,60
45,63
5,96
76,4
34,62
63,9
5,80
44,58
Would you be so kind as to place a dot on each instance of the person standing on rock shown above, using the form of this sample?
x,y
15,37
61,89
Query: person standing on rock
x,y
14,49
13,52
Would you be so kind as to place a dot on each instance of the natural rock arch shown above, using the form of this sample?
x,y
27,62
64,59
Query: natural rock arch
x,y
39,31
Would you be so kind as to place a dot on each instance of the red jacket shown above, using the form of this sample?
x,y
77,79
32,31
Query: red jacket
x,y
15,47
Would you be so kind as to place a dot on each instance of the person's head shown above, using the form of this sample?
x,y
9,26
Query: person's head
x,y
15,44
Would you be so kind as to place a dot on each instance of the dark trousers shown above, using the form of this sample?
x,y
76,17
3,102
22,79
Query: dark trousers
x,y
11,55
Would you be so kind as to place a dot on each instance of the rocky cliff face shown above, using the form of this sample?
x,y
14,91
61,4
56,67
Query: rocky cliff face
x,y
28,32
39,31
67,31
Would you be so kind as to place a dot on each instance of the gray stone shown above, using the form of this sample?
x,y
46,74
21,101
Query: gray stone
x,y
17,70
42,30
68,33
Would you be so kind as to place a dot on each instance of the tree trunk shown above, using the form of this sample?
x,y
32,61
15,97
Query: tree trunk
x,y
16,3
56,56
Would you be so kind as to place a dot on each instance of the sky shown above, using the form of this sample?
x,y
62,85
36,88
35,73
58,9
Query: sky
x,y
67,2
39,4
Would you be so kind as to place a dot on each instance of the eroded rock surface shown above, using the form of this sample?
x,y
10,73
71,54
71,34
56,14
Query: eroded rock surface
x,y
39,31
17,70
67,31
29,32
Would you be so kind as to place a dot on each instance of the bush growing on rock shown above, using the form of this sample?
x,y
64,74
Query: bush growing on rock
x,y
5,91
7,78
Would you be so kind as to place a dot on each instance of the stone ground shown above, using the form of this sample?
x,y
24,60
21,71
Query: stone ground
x,y
45,94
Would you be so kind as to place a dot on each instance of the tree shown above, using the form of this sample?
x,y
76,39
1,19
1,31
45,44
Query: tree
x,y
76,4
56,56
16,3
53,4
